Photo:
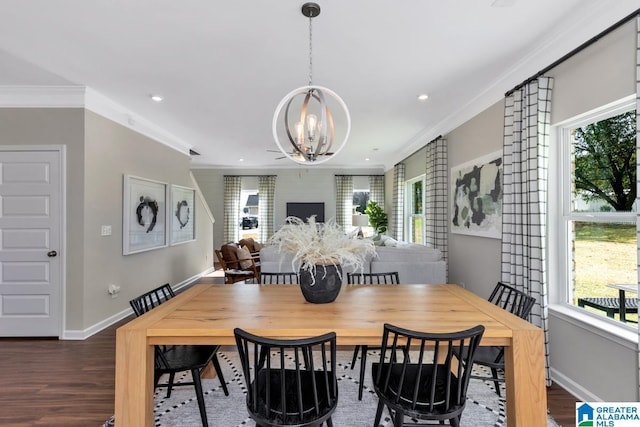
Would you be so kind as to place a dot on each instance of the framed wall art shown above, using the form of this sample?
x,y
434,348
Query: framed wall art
x,y
144,215
476,197
183,214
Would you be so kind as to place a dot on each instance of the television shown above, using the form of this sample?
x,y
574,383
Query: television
x,y
305,210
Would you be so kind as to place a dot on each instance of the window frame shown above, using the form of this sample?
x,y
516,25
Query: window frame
x,y
409,215
561,216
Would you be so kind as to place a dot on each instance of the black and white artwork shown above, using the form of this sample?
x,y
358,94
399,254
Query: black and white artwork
x,y
476,197
144,215
183,214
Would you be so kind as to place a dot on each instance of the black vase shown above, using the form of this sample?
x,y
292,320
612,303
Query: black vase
x,y
326,286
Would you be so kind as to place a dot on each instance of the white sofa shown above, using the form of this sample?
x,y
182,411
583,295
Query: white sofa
x,y
414,263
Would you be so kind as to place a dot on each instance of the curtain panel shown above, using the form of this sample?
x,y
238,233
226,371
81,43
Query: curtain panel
x,y
524,222
344,200
376,189
232,190
437,196
398,201
266,194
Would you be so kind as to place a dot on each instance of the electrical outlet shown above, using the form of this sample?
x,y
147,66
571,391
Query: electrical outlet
x,y
113,290
105,230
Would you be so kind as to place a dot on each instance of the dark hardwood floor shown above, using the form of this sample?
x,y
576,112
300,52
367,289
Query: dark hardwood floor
x,y
46,382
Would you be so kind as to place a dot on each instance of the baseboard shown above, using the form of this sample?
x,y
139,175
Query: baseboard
x,y
573,387
71,334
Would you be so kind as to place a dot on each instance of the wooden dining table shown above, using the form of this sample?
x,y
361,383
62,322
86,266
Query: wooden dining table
x,y
207,314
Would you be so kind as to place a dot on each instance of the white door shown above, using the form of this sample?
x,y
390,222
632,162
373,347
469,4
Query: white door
x,y
30,229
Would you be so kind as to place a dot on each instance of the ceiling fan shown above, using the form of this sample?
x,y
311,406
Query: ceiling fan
x,y
293,153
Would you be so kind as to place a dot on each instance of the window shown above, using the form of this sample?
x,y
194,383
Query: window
x,y
597,225
360,200
359,204
249,211
415,210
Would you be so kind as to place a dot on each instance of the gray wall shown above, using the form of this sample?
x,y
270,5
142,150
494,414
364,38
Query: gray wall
x,y
595,363
33,126
112,150
292,185
591,365
474,262
99,152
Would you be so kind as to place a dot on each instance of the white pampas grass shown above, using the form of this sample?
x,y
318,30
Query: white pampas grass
x,y
321,244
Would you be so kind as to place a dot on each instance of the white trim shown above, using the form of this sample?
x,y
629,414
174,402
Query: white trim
x,y
88,98
201,197
581,393
42,96
103,324
105,107
612,330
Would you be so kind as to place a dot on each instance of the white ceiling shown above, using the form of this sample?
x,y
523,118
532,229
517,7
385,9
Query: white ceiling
x,y
223,66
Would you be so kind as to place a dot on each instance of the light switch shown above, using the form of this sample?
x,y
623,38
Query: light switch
x,y
106,230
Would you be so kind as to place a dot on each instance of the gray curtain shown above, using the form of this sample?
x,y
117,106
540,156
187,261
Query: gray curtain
x,y
437,200
524,219
266,193
376,189
232,189
344,200
398,201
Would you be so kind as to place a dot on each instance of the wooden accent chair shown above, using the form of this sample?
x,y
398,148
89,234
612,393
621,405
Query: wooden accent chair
x,y
236,268
252,245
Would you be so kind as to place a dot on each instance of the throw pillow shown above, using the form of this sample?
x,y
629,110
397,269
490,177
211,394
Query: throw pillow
x,y
243,253
230,256
390,242
257,246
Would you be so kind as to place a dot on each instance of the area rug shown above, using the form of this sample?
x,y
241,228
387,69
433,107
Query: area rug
x,y
484,408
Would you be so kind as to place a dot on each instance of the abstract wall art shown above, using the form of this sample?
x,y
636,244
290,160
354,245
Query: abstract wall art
x,y
183,214
144,212
476,197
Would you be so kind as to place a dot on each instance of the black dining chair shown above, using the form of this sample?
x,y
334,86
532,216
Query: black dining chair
x,y
420,376
515,302
287,278
289,382
171,359
389,278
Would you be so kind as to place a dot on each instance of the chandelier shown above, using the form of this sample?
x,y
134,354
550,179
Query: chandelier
x,y
304,116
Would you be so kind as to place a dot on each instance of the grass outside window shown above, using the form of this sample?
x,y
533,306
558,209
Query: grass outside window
x,y
603,253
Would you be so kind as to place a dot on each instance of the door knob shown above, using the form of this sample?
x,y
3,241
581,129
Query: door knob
x,y
51,254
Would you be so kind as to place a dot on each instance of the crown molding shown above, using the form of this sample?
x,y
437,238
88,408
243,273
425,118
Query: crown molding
x,y
42,96
85,97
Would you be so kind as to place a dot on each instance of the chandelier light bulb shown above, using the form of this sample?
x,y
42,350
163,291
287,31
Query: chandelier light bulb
x,y
312,121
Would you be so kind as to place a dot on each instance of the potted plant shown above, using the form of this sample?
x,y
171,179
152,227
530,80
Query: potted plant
x,y
321,250
377,217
